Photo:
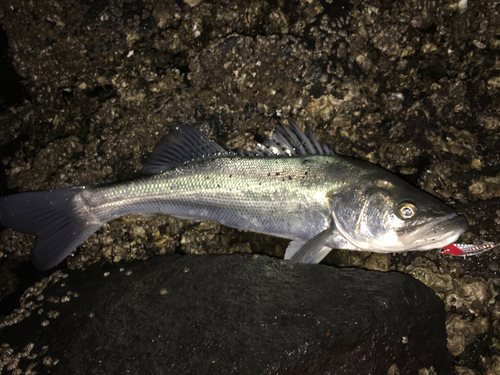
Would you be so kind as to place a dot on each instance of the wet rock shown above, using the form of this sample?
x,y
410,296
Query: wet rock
x,y
230,314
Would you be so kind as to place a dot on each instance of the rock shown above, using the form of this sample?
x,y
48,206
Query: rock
x,y
462,332
461,370
231,314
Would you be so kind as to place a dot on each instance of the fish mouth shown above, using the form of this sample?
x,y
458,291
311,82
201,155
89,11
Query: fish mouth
x,y
435,234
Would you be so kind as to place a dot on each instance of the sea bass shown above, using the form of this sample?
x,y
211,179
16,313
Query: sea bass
x,y
289,186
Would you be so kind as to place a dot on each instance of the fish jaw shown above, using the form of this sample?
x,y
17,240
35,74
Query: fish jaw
x,y
434,235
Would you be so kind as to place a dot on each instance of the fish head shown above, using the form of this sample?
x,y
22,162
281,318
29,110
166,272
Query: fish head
x,y
390,215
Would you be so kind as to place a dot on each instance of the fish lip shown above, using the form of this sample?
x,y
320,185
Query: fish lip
x,y
448,220
435,234
453,222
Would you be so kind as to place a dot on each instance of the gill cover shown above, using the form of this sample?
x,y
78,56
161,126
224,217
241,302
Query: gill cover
x,y
356,220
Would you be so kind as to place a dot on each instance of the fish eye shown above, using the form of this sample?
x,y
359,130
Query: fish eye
x,y
406,210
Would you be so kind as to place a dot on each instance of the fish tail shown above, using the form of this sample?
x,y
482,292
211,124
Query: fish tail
x,y
57,218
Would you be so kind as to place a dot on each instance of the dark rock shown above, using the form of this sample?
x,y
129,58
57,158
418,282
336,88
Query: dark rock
x,y
234,314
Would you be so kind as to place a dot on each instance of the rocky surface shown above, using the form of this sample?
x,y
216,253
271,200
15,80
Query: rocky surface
x,y
410,85
227,314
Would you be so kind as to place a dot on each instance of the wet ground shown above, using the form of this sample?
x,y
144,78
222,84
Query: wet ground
x,y
412,86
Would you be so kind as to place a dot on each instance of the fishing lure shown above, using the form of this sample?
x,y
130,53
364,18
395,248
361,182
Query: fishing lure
x,y
461,249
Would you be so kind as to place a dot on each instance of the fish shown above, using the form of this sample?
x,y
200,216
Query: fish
x,y
289,185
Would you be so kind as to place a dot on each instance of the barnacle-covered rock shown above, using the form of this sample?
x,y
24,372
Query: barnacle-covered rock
x,y
438,282
205,237
462,332
378,262
463,294
485,187
462,370
493,365
361,259
427,371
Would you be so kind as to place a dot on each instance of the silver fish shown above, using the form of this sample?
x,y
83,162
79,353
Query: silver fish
x,y
289,186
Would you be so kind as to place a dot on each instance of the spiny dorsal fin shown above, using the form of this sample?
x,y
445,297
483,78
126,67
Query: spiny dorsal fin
x,y
183,144
287,141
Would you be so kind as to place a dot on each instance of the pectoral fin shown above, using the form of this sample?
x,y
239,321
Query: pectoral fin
x,y
293,247
312,251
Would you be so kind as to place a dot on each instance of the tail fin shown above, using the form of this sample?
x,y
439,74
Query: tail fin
x,y
53,217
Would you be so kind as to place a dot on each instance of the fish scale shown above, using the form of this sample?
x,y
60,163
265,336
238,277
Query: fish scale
x,y
242,192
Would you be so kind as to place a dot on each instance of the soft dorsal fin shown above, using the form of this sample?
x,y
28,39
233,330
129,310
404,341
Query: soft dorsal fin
x,y
183,144
287,141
